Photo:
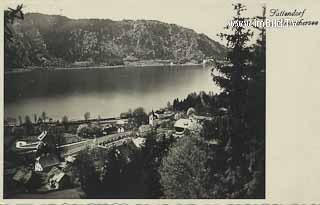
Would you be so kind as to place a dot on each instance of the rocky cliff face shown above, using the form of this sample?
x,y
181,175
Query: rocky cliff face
x,y
44,40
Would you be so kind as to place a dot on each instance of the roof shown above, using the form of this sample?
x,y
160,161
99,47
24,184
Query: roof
x,y
29,139
23,175
120,122
54,171
42,135
165,115
70,159
183,123
58,177
155,114
138,142
191,111
199,117
49,161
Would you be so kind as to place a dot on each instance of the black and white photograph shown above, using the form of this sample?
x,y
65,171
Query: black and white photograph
x,y
134,99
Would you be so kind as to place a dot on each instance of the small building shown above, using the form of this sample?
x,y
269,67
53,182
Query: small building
x,y
22,176
59,181
45,163
165,115
70,159
109,129
120,124
152,118
25,179
31,143
120,130
25,146
55,179
42,135
181,126
82,63
130,58
139,142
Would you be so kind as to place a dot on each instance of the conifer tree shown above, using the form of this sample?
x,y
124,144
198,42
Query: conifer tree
x,y
255,115
13,48
242,78
232,76
10,16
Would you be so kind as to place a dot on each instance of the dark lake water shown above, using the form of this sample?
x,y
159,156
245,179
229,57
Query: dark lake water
x,y
104,92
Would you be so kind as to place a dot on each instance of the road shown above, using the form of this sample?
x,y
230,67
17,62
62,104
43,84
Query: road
x,y
73,149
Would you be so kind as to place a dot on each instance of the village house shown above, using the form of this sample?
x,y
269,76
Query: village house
x,y
23,175
81,63
23,179
160,116
46,162
57,179
152,118
181,126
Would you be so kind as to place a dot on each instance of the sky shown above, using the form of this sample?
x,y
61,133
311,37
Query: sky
x,y
203,16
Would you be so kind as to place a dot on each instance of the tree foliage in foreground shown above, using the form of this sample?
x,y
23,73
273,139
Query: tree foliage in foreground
x,y
11,45
109,174
184,172
235,168
10,15
243,79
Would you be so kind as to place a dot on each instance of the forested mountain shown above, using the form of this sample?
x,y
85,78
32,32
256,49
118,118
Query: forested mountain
x,y
53,40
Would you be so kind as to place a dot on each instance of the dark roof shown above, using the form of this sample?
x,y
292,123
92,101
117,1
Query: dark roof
x,y
49,161
23,175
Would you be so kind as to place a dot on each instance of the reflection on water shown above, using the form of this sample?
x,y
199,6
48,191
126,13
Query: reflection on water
x,y
104,92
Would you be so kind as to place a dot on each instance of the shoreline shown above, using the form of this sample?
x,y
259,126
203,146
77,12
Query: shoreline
x,y
26,70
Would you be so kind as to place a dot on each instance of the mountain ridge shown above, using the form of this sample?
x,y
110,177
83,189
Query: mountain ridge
x,y
54,40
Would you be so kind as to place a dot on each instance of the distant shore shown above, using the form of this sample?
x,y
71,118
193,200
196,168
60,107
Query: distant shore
x,y
30,69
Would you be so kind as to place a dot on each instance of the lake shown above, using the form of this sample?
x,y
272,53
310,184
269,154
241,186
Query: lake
x,y
106,92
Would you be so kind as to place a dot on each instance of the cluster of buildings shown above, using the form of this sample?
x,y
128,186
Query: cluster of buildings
x,y
47,173
51,171
182,121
